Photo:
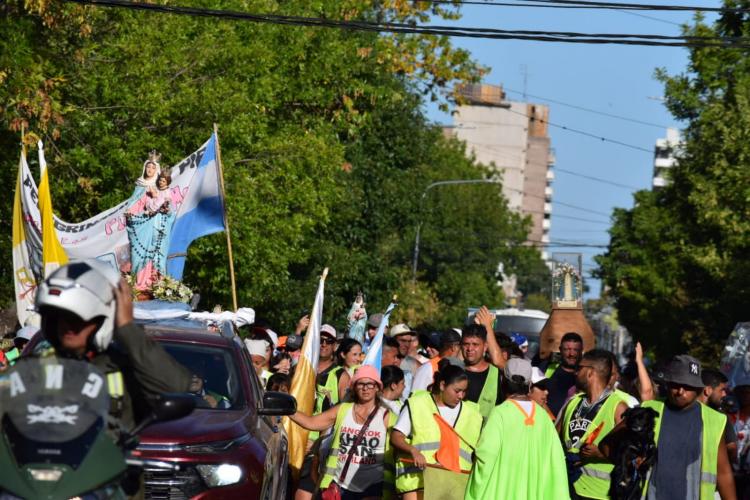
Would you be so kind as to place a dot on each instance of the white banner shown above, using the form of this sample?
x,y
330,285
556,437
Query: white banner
x,y
103,236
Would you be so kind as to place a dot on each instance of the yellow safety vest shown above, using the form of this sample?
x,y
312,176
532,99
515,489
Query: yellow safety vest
x,y
594,482
488,397
332,460
713,430
425,436
551,369
332,386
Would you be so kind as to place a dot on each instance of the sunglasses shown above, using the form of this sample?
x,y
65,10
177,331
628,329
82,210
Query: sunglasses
x,y
328,341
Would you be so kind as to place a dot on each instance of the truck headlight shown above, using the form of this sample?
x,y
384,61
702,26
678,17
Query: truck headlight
x,y
215,475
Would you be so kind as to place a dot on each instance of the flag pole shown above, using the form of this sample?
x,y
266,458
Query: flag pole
x,y
226,221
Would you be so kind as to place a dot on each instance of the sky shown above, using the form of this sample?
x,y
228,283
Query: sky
x,y
613,79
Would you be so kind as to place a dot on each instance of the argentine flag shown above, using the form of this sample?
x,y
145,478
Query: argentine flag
x,y
375,352
201,212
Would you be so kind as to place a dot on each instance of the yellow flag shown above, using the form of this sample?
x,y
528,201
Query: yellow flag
x,y
303,382
23,276
53,254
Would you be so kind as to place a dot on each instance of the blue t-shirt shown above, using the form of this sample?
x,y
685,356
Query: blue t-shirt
x,y
679,449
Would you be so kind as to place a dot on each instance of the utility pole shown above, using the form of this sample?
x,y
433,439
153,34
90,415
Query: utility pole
x,y
421,204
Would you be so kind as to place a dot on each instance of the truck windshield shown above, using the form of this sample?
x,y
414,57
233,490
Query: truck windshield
x,y
218,385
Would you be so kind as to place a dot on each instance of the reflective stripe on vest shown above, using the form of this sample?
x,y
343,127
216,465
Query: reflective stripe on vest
x,y
713,430
594,480
115,385
551,369
425,436
488,396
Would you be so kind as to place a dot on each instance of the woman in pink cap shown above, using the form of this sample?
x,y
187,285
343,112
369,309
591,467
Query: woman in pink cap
x,y
356,465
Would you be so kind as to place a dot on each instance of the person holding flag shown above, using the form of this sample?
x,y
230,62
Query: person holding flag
x,y
518,432
435,429
356,464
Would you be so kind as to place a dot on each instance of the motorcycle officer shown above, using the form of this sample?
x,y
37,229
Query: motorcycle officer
x,y
87,313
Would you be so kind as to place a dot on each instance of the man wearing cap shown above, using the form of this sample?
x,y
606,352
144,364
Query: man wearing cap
x,y
518,454
449,345
539,391
585,420
373,322
292,344
693,461
404,336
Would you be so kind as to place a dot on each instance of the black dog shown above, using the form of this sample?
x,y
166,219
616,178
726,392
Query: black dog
x,y
634,454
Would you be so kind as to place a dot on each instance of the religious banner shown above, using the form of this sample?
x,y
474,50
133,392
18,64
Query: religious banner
x,y
105,236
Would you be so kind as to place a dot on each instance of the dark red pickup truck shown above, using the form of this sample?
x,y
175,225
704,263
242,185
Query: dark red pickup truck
x,y
227,448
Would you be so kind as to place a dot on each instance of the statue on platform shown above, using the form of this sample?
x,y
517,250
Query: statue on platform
x,y
149,219
567,286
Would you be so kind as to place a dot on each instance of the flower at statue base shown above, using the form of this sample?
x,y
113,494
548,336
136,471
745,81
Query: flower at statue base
x,y
161,288
170,289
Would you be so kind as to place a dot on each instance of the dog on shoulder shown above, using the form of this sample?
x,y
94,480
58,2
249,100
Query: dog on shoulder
x,y
634,454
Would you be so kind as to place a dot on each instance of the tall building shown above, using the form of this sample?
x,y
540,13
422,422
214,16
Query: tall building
x,y
512,138
665,157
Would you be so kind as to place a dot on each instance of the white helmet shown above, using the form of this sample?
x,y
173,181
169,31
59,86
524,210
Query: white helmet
x,y
84,288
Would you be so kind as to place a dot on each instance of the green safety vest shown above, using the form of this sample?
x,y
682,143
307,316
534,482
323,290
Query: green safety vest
x,y
425,436
713,430
551,369
332,386
488,397
594,482
332,460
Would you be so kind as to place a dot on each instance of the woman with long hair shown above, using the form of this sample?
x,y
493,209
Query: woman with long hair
x,y
417,433
348,356
356,464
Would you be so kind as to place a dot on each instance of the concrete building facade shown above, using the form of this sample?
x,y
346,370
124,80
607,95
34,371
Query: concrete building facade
x,y
512,138
665,157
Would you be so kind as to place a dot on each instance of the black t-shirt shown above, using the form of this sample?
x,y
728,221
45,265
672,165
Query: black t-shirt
x,y
559,385
580,421
476,384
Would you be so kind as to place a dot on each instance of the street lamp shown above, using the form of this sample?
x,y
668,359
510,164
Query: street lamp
x,y
421,202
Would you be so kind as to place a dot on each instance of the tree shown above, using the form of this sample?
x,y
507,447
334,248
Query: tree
x,y
324,145
678,261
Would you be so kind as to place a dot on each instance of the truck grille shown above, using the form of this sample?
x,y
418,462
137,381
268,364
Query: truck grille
x,y
172,485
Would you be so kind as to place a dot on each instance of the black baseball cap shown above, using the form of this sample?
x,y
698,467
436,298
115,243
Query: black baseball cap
x,y
431,339
293,342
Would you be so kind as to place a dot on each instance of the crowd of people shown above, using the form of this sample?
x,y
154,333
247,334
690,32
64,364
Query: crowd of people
x,y
471,401
562,427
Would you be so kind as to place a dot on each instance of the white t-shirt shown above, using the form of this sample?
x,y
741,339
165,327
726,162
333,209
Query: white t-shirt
x,y
449,414
366,465
423,378
394,406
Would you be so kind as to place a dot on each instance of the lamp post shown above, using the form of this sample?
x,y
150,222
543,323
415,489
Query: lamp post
x,y
421,203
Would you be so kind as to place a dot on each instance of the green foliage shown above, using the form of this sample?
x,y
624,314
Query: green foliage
x,y
678,262
324,145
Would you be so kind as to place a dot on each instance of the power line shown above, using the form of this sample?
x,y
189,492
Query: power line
x,y
486,33
581,132
598,179
589,110
593,4
649,17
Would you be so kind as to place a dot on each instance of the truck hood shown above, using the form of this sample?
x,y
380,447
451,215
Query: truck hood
x,y
201,426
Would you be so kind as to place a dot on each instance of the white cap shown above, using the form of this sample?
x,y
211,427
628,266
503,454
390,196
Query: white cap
x,y
328,329
256,347
458,331
274,337
537,375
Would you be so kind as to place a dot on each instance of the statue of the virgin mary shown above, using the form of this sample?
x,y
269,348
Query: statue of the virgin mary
x,y
149,218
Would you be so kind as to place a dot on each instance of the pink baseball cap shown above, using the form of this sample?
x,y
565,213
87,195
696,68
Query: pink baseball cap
x,y
367,371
